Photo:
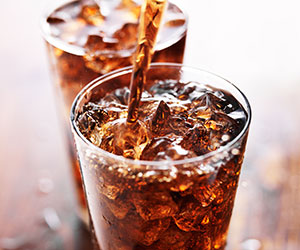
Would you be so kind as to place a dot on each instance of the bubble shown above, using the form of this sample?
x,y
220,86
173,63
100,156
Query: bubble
x,y
225,137
235,151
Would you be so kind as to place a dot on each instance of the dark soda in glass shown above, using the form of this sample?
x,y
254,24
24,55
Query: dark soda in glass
x,y
169,180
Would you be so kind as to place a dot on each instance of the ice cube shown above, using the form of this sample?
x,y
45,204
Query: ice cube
x,y
186,90
122,95
201,241
154,147
218,125
115,109
196,140
127,35
207,193
222,213
110,101
95,44
91,14
152,230
92,116
174,239
223,123
192,216
148,106
164,148
160,119
130,139
227,102
183,184
180,124
110,191
164,87
175,152
121,138
107,6
154,205
203,107
109,184
119,206
144,232
109,130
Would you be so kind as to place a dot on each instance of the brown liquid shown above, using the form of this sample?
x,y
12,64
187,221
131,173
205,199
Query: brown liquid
x,y
180,207
82,45
150,22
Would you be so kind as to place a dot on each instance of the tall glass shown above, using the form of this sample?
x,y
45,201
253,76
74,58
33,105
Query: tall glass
x,y
85,42
170,204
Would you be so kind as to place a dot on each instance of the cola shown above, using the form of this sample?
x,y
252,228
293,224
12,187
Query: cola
x,y
83,43
168,180
86,40
150,23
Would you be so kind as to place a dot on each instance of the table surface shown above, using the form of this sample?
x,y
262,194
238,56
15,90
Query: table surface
x,y
255,44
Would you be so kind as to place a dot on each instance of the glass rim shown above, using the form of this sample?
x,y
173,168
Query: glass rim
x,y
125,70
80,51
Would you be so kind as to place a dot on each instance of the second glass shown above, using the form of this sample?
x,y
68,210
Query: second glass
x,y
85,42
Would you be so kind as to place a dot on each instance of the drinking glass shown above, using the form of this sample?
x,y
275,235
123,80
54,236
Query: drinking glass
x,y
169,204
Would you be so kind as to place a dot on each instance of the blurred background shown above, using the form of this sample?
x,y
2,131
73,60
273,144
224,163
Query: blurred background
x,y
254,44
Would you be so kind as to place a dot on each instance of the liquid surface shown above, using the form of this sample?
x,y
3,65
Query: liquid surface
x,y
110,29
176,121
